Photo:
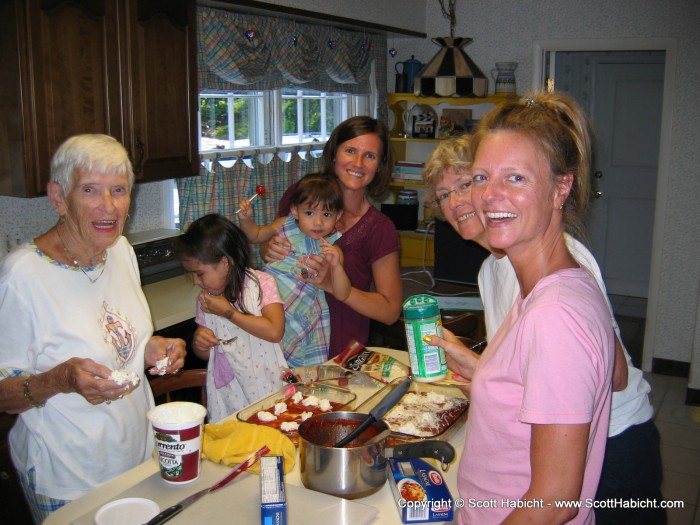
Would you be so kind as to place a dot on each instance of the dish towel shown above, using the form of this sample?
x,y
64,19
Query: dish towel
x,y
231,442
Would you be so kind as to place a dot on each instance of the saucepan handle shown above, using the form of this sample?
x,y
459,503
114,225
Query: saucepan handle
x,y
431,448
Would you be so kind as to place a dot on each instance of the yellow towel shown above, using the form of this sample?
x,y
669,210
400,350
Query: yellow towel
x,y
231,442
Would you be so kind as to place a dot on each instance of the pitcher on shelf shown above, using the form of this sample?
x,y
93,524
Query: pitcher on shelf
x,y
407,121
504,76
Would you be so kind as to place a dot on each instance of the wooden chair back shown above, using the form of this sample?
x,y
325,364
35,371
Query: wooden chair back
x,y
166,386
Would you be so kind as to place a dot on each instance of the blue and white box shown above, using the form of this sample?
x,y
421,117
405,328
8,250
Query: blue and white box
x,y
273,501
420,491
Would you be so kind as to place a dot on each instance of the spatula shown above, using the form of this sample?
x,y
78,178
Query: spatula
x,y
386,404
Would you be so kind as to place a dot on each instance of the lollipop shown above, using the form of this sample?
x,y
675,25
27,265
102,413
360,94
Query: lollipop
x,y
259,190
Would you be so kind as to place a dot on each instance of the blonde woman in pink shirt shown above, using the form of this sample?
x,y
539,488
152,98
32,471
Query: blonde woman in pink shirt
x,y
541,391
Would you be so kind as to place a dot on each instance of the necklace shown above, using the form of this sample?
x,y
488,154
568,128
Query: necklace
x,y
103,259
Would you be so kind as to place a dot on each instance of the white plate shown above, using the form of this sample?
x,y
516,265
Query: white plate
x,y
127,510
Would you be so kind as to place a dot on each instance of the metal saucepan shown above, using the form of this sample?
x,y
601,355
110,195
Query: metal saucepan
x,y
386,404
358,469
354,471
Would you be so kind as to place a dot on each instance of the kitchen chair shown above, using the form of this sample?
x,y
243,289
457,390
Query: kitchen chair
x,y
186,385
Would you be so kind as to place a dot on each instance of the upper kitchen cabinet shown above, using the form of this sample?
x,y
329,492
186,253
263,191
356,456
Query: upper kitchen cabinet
x,y
163,72
124,68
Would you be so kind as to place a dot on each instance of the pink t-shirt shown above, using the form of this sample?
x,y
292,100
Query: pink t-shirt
x,y
549,363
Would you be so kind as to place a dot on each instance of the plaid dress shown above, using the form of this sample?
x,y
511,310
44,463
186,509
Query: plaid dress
x,y
307,321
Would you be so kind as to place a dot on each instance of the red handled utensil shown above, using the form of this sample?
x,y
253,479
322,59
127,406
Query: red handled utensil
x,y
176,509
259,190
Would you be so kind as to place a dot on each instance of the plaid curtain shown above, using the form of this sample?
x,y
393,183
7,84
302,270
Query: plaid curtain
x,y
237,51
222,184
241,51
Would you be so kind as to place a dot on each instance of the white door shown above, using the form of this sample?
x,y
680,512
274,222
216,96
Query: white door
x,y
624,102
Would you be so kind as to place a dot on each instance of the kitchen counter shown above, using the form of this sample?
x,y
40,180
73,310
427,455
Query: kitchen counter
x,y
171,301
242,498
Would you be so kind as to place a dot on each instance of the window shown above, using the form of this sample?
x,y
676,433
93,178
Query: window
x,y
275,118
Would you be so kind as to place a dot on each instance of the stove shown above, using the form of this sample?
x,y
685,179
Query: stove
x,y
155,254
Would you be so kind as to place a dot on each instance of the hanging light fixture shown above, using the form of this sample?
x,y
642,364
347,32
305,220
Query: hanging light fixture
x,y
451,72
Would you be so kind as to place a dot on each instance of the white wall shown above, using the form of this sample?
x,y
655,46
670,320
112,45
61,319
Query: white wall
x,y
24,219
506,30
405,14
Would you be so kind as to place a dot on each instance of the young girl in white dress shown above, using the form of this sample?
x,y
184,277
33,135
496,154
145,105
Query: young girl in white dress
x,y
239,313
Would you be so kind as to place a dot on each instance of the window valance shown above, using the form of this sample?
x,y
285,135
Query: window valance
x,y
240,51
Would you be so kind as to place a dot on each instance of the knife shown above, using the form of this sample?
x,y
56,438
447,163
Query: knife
x,y
176,509
429,448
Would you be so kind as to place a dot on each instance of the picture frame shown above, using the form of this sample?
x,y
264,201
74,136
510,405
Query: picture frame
x,y
455,121
423,126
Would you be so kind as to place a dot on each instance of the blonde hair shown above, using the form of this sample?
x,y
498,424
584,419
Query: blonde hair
x,y
90,153
452,153
561,131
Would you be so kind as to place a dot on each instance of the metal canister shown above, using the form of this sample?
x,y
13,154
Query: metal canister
x,y
408,197
422,317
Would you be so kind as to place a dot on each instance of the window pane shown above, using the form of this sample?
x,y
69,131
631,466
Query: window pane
x,y
312,118
241,119
331,115
214,123
230,121
289,116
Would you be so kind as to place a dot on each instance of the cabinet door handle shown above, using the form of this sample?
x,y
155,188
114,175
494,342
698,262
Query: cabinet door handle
x,y
141,153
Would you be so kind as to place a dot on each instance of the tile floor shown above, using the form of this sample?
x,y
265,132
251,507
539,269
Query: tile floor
x,y
679,426
678,423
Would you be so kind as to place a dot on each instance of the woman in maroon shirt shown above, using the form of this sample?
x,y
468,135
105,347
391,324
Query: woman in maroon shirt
x,y
359,155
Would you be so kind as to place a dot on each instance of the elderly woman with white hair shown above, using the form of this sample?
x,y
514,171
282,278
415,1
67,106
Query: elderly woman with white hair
x,y
78,335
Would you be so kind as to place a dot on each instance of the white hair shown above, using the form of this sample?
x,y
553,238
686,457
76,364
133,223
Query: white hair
x,y
91,153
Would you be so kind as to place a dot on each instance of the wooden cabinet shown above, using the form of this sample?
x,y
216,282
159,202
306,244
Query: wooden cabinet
x,y
163,66
126,68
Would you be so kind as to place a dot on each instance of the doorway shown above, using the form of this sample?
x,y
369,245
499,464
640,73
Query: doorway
x,y
544,66
622,92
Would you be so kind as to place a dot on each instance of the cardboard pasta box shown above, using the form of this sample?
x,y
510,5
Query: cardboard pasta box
x,y
273,501
420,491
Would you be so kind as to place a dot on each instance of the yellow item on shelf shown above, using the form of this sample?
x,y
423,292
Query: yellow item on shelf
x,y
231,442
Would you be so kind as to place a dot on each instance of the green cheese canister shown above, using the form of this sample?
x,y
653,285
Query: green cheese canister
x,y
421,315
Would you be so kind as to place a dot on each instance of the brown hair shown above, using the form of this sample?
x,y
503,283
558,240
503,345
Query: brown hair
x,y
560,129
212,237
352,128
318,188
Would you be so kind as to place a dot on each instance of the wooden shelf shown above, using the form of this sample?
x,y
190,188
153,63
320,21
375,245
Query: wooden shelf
x,y
404,139
406,184
398,102
393,98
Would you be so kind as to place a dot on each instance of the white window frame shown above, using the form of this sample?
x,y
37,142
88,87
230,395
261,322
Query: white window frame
x,y
268,109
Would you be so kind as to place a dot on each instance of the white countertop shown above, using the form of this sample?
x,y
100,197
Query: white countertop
x,y
242,497
171,301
